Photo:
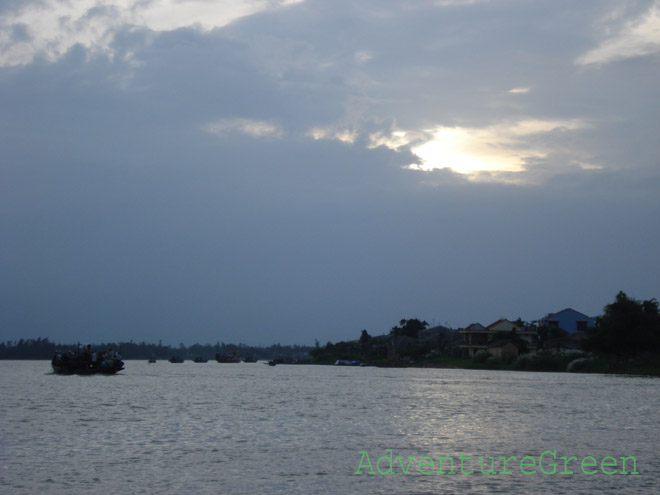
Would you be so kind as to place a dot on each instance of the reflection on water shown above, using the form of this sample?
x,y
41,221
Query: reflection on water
x,y
249,428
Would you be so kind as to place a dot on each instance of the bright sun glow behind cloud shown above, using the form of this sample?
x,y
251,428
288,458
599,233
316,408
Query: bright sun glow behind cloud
x,y
469,151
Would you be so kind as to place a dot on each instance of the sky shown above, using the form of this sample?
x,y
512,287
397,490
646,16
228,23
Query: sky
x,y
263,171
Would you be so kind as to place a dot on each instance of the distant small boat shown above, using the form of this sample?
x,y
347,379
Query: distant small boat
x,y
199,359
272,363
151,360
284,360
176,359
251,359
230,357
346,362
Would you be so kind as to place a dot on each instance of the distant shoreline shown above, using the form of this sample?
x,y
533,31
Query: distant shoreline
x,y
636,368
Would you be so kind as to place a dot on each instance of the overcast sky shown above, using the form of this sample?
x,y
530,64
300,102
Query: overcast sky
x,y
269,170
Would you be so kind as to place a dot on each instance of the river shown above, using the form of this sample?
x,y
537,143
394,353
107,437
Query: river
x,y
248,428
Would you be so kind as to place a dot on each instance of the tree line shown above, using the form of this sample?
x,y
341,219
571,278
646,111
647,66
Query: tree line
x,y
628,328
43,348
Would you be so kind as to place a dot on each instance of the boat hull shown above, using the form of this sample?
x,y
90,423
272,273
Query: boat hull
x,y
82,369
87,362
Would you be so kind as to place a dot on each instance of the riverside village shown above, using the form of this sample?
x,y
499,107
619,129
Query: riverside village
x,y
624,339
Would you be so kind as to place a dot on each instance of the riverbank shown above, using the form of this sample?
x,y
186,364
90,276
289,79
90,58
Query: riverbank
x,y
648,365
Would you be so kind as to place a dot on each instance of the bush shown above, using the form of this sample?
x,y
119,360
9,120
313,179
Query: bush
x,y
522,362
545,361
578,365
482,356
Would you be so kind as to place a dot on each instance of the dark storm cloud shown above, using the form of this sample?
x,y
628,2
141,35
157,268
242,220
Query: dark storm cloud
x,y
169,187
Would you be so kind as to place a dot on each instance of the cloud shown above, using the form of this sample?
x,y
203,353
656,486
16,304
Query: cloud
x,y
496,149
635,38
363,56
57,25
252,128
344,135
457,3
520,90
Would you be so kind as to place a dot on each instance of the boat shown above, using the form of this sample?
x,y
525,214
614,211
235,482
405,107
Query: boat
x,y
283,360
346,362
251,359
152,360
230,357
272,363
199,359
176,359
87,362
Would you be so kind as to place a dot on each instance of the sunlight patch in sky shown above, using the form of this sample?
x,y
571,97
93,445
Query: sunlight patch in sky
x,y
469,151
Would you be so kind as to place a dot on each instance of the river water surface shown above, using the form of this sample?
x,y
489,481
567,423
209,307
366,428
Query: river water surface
x,y
248,428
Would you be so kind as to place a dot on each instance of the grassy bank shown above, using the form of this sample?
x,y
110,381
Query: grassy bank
x,y
648,365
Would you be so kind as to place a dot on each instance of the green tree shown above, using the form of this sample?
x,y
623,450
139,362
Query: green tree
x,y
546,333
409,328
365,338
626,328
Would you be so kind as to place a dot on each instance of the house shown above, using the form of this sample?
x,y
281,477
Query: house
x,y
476,337
525,334
503,349
504,325
569,320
